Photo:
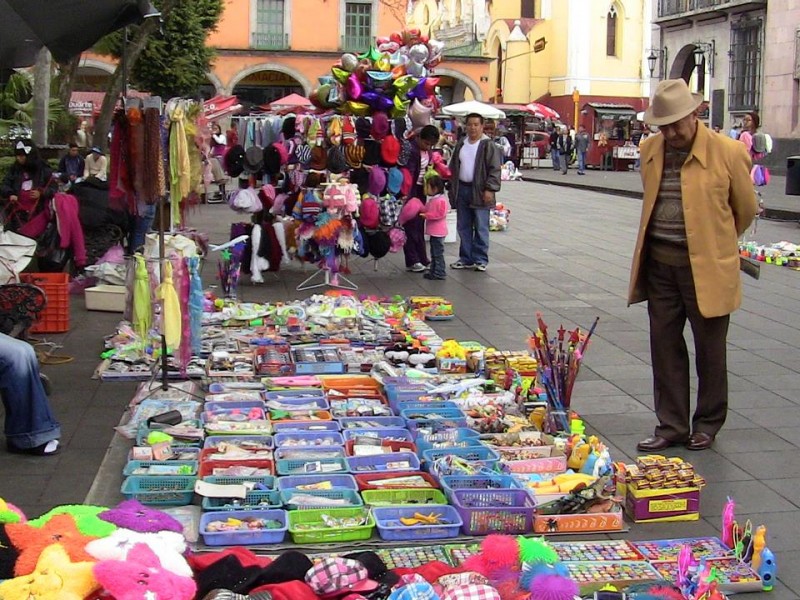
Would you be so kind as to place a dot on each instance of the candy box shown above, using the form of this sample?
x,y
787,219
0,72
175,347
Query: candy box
x,y
451,365
662,505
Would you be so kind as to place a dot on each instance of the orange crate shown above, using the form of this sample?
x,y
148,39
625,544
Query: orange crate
x,y
55,316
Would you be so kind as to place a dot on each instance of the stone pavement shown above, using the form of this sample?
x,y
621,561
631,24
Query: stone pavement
x,y
628,183
567,256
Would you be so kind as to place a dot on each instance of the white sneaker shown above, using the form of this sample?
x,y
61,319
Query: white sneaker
x,y
416,268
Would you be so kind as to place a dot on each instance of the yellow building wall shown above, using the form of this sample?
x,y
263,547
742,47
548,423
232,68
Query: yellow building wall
x,y
628,64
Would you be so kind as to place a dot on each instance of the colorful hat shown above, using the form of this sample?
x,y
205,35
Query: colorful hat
x,y
408,182
394,180
390,150
415,591
348,130
354,155
372,152
339,576
380,125
377,181
471,591
363,128
254,159
288,127
319,158
234,161
369,212
303,154
336,160
410,209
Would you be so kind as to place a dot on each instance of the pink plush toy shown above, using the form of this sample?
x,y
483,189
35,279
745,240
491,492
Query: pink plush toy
x,y
141,577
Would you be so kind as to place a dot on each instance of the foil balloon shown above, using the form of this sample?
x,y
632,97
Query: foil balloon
x,y
416,69
400,107
388,47
397,38
340,74
411,36
349,62
398,71
398,59
420,90
359,109
379,79
419,53
335,96
436,48
377,101
314,98
326,79
403,85
419,114
372,54
383,63
362,68
353,87
430,85
381,39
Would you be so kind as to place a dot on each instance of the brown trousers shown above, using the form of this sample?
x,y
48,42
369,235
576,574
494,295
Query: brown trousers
x,y
671,300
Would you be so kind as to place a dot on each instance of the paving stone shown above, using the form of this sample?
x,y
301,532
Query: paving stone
x,y
788,488
773,417
768,465
750,440
756,399
752,497
617,405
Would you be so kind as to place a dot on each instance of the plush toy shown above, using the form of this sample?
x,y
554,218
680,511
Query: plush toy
x,y
553,587
55,577
142,577
500,552
10,513
167,545
31,541
132,514
85,518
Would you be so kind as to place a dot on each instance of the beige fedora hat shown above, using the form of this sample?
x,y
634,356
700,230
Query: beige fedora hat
x,y
671,102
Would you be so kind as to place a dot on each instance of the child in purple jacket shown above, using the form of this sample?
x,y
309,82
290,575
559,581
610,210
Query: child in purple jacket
x,y
435,215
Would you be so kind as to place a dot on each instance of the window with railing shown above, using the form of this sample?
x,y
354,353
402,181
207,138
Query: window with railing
x,y
357,26
744,83
269,31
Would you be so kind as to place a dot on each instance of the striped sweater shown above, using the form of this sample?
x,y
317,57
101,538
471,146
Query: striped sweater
x,y
666,233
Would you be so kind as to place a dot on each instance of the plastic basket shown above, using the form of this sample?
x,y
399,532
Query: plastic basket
x,y
298,402
55,316
207,467
133,465
396,461
233,405
372,422
304,416
308,439
455,438
284,426
308,453
450,483
345,482
306,393
328,498
415,405
306,526
479,455
425,426
429,414
488,511
213,441
244,538
268,481
367,481
392,446
213,455
390,528
143,431
416,496
159,491
296,467
385,433
254,500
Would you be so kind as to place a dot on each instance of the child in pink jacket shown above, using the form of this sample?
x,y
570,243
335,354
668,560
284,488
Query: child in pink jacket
x,y
435,215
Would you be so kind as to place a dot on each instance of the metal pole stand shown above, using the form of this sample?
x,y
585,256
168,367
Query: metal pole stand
x,y
334,280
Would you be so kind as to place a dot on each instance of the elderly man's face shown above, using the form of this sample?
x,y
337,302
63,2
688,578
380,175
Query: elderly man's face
x,y
680,134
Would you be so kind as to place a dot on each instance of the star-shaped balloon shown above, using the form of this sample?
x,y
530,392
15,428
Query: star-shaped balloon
x,y
132,514
420,91
340,74
372,54
403,85
31,541
55,577
167,545
400,107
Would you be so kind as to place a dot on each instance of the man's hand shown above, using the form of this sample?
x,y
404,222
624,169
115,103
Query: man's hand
x,y
12,199
35,194
488,196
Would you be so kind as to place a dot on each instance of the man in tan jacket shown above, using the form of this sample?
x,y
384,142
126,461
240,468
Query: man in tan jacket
x,y
698,200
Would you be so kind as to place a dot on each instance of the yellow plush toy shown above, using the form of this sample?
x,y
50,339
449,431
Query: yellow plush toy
x,y
55,578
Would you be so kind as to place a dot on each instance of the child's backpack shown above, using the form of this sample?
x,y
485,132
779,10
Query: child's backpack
x,y
762,143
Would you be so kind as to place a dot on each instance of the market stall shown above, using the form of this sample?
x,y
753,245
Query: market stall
x,y
610,127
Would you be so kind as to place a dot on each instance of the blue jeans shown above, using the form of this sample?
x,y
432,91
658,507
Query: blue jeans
x,y
437,257
29,422
472,225
141,226
555,156
581,162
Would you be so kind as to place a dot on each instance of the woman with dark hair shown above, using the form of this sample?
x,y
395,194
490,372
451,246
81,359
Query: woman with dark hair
x,y
27,188
750,125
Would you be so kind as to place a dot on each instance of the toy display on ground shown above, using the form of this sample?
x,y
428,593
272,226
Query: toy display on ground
x,y
782,254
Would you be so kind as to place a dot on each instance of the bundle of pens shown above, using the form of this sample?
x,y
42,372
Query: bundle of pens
x,y
560,360
228,269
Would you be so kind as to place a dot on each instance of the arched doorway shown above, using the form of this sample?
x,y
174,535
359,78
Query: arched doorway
x,y
263,86
92,76
684,67
456,87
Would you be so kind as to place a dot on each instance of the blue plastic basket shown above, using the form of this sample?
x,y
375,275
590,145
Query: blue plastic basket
x,y
159,491
305,426
383,462
267,481
371,422
428,414
144,431
427,406
297,467
345,482
248,537
219,388
398,434
327,498
480,455
404,391
227,410
309,453
422,426
455,438
297,403
234,405
133,465
213,441
390,528
487,511
308,439
254,500
450,483
294,394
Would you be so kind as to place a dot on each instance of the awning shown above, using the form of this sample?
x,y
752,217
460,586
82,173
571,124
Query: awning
x,y
514,110
614,112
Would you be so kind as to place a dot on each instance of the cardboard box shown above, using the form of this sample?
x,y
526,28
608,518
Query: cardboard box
x,y
664,505
451,365
109,298
585,523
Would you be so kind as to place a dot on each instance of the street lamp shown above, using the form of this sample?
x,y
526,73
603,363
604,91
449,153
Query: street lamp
x,y
701,49
653,57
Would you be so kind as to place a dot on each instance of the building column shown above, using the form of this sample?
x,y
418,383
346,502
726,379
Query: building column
x,y
517,66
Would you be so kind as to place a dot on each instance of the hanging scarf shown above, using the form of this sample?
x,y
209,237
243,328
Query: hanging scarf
x,y
179,163
182,282
170,309
142,310
195,304
153,157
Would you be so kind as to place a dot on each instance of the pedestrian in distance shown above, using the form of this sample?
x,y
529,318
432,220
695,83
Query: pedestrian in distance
x,y
475,179
564,149
582,142
698,200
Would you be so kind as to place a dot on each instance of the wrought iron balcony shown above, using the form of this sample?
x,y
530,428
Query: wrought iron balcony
x,y
676,10
269,41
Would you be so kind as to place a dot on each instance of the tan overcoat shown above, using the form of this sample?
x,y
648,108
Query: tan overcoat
x,y
719,203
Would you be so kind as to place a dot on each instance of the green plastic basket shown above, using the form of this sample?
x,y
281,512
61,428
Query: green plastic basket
x,y
417,496
322,534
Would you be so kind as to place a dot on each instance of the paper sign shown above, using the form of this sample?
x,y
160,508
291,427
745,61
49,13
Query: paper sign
x,y
216,490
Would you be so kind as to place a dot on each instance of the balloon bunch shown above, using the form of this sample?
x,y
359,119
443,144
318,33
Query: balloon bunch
x,y
394,77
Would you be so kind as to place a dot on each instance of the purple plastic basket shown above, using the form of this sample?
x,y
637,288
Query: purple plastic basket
x,y
488,511
308,439
288,482
244,538
390,528
381,463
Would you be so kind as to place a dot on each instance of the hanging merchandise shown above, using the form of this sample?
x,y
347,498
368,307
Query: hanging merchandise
x,y
142,309
170,308
195,303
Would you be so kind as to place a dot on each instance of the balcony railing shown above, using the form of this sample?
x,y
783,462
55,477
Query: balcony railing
x,y
355,43
669,9
269,41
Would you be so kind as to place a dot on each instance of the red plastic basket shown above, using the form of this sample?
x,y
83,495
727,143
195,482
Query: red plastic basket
x,y
394,446
55,317
364,479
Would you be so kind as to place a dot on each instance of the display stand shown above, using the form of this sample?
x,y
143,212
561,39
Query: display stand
x,y
335,280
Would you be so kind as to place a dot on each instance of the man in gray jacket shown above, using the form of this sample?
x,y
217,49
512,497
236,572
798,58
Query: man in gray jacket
x,y
475,168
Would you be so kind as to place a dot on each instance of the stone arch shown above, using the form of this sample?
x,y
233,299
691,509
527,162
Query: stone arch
x,y
92,63
297,75
683,64
217,83
466,80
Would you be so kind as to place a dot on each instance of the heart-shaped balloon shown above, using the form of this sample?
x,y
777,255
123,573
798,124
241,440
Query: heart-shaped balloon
x,y
418,53
396,37
349,61
381,39
400,107
411,36
416,69
389,47
419,92
423,39
353,87
403,85
340,74
359,109
419,114
377,101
